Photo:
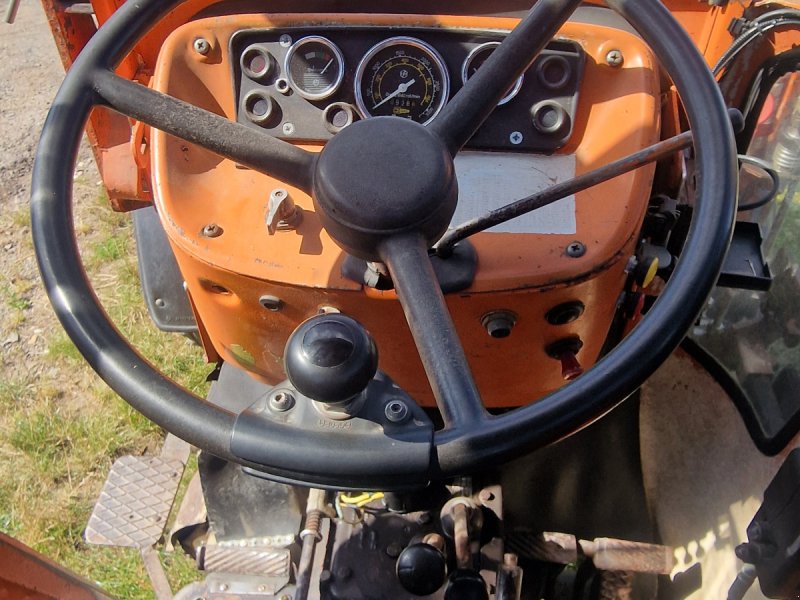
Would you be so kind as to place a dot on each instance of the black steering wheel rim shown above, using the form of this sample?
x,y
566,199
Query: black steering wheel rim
x,y
454,450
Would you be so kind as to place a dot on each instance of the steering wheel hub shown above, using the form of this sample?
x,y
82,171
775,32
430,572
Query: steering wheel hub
x,y
382,177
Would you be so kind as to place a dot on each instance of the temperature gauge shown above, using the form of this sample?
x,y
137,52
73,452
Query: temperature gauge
x,y
314,67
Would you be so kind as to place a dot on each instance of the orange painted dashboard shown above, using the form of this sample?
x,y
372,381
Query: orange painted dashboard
x,y
523,271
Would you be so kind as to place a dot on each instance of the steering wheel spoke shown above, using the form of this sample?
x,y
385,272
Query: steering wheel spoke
x,y
434,332
231,140
469,108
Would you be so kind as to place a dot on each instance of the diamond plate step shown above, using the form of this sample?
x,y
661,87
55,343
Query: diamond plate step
x,y
273,562
135,502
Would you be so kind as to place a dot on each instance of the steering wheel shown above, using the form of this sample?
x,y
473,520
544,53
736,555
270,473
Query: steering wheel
x,y
409,217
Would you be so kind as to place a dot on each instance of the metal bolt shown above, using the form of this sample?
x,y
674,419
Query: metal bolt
x,y
262,588
614,58
288,128
499,323
201,46
396,411
281,401
286,597
576,250
211,230
159,302
515,138
223,587
285,40
272,303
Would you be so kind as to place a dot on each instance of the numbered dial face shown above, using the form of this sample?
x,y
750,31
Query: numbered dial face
x,y
476,58
314,67
402,77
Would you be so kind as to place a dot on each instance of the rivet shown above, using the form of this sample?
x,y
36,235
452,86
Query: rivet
x,y
211,230
201,46
576,250
614,58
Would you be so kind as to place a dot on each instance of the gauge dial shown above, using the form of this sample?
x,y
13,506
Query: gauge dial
x,y
402,77
314,67
476,58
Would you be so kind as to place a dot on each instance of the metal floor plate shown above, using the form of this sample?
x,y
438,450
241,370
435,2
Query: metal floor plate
x,y
135,502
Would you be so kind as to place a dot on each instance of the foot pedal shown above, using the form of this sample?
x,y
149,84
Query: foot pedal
x,y
270,562
135,502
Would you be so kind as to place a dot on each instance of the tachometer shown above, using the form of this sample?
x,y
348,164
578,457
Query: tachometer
x,y
402,77
314,67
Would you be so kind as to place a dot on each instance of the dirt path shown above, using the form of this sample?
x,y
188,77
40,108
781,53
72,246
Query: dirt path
x,y
30,73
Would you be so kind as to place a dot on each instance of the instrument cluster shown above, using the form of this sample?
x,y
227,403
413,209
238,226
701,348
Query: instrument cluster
x,y
306,85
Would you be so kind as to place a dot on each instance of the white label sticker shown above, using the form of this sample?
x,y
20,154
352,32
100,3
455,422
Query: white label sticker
x,y
489,180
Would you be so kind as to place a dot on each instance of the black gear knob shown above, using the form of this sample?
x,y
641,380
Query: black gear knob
x,y
330,358
421,569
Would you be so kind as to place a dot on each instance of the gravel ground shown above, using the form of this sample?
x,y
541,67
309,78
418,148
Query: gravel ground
x,y
30,72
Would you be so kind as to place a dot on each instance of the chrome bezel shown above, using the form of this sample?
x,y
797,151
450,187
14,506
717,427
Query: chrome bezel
x,y
329,90
471,57
269,62
433,55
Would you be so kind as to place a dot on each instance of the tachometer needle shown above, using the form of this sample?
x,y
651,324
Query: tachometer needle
x,y
401,89
330,62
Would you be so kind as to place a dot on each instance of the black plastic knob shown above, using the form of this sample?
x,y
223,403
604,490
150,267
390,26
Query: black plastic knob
x,y
466,585
330,358
421,569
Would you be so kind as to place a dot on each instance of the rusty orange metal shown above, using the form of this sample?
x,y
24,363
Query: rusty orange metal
x,y
27,575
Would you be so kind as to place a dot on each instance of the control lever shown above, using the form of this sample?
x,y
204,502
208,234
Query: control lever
x,y
330,359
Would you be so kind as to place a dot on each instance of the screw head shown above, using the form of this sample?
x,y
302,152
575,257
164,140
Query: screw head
x,y
288,128
515,138
211,230
576,250
201,46
614,58
281,401
396,411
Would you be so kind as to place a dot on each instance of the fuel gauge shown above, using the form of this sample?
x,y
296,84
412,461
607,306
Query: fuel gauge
x,y
314,67
476,58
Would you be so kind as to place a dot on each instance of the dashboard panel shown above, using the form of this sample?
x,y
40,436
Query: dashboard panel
x,y
523,267
305,84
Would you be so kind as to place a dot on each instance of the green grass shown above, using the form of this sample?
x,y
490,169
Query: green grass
x,y
60,432
15,298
